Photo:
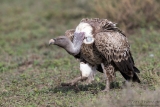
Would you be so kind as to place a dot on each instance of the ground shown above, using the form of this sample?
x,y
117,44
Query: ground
x,y
31,71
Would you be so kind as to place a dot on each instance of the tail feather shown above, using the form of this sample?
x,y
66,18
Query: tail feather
x,y
136,70
135,78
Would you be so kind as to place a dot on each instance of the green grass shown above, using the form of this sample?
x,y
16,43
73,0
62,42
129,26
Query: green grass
x,y
31,71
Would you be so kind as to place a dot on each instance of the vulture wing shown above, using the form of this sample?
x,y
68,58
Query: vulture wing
x,y
115,48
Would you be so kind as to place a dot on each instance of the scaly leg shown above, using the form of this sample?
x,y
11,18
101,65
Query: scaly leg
x,y
109,73
74,81
87,72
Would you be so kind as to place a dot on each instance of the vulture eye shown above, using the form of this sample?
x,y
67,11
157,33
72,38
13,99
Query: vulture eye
x,y
88,39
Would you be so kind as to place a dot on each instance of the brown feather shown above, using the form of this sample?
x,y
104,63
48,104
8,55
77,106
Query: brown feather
x,y
114,47
111,47
101,25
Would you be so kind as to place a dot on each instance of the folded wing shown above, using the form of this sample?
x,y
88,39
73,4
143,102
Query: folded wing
x,y
115,48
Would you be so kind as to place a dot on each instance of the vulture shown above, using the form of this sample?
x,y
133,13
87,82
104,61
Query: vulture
x,y
100,46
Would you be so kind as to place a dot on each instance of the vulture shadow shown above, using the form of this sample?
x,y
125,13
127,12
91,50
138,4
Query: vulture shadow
x,y
94,88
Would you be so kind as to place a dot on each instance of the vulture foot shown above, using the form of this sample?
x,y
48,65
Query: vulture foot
x,y
74,81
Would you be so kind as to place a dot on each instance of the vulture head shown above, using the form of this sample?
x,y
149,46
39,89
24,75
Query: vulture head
x,y
72,48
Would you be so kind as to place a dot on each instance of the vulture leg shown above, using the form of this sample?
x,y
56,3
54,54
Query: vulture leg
x,y
74,81
109,73
87,73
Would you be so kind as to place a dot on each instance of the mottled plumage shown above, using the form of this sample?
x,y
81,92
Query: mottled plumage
x,y
105,48
111,48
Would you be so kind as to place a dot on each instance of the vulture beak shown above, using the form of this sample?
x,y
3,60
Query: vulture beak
x,y
51,41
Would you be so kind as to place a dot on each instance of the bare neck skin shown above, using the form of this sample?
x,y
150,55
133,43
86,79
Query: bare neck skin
x,y
73,48
64,42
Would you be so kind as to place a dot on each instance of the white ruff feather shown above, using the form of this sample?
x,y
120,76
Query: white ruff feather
x,y
87,71
87,29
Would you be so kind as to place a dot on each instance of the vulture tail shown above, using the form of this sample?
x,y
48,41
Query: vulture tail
x,y
136,70
134,78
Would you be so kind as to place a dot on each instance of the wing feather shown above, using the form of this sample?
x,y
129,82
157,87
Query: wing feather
x,y
115,48
113,45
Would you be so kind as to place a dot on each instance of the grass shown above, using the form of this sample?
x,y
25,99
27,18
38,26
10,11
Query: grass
x,y
31,71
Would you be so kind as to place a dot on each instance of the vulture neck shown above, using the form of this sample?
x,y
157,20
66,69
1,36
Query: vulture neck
x,y
73,48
